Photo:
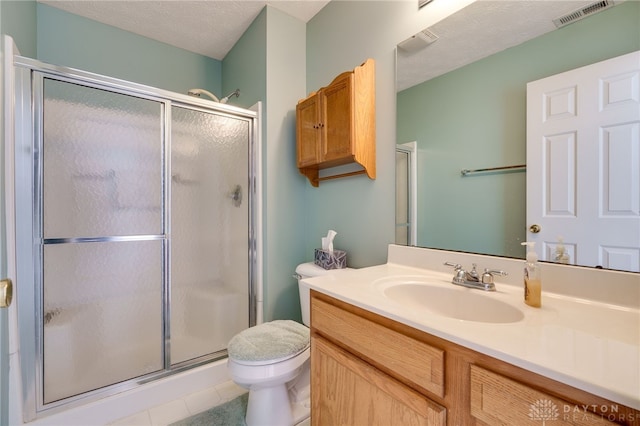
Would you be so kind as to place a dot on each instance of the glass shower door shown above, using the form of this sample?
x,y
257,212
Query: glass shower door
x,y
102,241
209,231
136,241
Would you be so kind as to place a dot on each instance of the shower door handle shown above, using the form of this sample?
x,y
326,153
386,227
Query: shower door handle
x,y
236,196
6,293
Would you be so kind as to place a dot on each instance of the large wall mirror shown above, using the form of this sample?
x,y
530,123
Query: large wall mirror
x,y
462,99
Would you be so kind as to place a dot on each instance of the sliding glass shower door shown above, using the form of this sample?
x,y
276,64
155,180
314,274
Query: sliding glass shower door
x,y
209,219
141,214
102,238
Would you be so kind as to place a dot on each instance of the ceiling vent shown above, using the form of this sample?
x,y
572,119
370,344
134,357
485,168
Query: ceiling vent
x,y
418,41
583,12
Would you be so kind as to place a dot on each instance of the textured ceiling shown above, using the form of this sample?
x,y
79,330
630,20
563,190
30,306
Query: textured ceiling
x,y
212,27
481,29
206,27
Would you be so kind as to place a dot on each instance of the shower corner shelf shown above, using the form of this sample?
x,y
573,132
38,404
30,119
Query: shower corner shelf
x,y
335,126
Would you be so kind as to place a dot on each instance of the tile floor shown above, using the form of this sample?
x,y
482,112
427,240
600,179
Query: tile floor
x,y
179,409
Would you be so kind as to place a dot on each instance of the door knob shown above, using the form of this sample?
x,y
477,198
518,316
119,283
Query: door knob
x,y
6,293
535,228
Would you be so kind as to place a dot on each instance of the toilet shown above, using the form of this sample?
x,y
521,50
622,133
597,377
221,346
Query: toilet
x,y
272,361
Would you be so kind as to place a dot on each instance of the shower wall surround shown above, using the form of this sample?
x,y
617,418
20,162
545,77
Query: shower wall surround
x,y
136,233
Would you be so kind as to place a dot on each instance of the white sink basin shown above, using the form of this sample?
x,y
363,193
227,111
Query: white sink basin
x,y
453,302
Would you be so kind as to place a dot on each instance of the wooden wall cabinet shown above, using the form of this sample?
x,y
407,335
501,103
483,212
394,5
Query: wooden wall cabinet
x,y
336,125
367,369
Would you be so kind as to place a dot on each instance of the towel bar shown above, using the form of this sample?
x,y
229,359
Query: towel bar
x,y
465,172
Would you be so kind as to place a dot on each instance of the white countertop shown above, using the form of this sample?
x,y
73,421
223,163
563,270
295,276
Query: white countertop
x,y
586,344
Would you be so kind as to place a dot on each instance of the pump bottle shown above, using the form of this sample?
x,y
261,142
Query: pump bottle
x,y
532,278
561,255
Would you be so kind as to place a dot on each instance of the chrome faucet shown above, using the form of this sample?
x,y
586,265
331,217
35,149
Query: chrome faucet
x,y
472,279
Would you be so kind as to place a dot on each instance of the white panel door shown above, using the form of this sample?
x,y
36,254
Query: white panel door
x,y
583,163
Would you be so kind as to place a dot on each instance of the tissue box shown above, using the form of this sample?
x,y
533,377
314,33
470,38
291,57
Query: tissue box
x,y
336,261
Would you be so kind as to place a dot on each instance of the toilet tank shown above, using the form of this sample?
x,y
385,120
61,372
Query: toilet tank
x,y
308,270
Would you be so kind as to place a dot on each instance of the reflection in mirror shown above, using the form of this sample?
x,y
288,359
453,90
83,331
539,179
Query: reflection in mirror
x,y
406,194
474,116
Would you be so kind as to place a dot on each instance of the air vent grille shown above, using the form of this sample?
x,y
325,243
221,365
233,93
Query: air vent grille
x,y
418,41
583,12
429,36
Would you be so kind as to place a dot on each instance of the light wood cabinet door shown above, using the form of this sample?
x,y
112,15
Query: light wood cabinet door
x,y
325,125
498,400
307,131
336,123
348,391
403,357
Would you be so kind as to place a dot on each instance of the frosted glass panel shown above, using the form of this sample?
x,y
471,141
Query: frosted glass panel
x,y
209,232
102,163
102,314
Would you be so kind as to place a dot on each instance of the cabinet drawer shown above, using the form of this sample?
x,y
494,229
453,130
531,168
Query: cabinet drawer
x,y
496,399
348,391
400,356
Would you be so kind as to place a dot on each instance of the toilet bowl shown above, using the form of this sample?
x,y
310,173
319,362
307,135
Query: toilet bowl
x,y
269,378
272,361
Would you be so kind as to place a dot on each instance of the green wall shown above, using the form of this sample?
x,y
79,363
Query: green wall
x,y
285,218
244,67
77,42
339,38
360,210
268,63
475,117
18,19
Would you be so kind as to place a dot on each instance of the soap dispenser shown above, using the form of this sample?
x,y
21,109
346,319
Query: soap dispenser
x,y
532,278
561,255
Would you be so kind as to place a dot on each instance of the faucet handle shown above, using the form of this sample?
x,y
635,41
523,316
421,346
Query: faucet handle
x,y
455,266
460,274
487,276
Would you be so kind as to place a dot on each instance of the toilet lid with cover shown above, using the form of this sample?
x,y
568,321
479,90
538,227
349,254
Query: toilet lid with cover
x,y
269,342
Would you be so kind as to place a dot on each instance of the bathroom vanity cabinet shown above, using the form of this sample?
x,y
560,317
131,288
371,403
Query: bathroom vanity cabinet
x,y
368,369
336,125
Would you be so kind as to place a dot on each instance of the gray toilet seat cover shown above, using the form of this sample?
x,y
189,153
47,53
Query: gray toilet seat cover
x,y
268,341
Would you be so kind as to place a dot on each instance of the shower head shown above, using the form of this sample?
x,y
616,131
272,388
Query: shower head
x,y
235,93
198,92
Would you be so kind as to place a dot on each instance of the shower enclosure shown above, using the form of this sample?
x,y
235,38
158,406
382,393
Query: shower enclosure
x,y
135,230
